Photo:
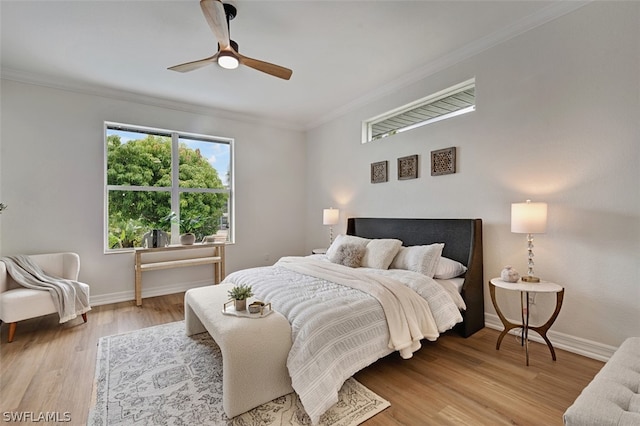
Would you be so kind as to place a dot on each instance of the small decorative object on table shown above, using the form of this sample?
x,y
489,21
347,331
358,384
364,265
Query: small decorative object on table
x,y
256,307
509,275
155,238
187,239
240,294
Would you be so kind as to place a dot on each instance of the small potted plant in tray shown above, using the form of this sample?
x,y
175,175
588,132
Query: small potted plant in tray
x,y
240,294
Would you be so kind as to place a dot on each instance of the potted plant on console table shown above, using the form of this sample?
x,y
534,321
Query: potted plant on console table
x,y
188,227
240,294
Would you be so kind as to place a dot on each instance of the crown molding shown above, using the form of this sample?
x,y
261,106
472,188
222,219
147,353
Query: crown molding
x,y
123,95
525,24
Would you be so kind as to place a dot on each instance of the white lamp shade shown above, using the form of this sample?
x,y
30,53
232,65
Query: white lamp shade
x,y
330,216
529,218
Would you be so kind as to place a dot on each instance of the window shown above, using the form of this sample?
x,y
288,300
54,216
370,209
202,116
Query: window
x,y
172,181
457,100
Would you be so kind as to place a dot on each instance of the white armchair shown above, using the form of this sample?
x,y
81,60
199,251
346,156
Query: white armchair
x,y
18,303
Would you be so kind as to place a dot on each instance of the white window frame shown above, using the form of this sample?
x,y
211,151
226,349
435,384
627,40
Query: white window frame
x,y
175,188
367,125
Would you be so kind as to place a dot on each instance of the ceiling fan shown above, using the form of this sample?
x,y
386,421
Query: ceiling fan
x,y
218,15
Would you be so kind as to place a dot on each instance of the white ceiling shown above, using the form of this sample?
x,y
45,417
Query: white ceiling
x,y
341,52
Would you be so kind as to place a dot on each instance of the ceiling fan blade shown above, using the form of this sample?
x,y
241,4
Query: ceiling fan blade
x,y
190,66
266,67
217,19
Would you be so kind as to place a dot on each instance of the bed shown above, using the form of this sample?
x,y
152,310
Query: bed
x,y
462,240
343,319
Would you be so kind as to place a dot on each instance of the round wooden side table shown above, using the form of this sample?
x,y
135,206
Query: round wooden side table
x,y
525,288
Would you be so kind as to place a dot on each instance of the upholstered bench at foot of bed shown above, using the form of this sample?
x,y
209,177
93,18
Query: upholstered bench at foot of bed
x,y
613,396
254,350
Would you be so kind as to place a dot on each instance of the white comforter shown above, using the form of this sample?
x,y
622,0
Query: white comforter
x,y
337,330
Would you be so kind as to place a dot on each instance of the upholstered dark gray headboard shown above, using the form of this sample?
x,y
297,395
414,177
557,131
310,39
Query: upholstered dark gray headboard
x,y
462,240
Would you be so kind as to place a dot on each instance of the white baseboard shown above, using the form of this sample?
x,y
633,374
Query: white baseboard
x,y
577,345
125,296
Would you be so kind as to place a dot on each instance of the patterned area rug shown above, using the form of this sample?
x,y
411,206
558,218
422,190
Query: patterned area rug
x,y
161,376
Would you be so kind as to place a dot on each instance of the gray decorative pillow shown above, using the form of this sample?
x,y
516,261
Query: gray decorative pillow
x,y
348,255
342,239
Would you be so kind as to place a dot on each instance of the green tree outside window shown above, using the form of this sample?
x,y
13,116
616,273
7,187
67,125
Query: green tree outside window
x,y
146,162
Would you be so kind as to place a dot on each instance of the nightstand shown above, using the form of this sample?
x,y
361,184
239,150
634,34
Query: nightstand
x,y
524,289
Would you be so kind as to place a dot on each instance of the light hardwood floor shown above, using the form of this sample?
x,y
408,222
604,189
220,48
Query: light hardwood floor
x,y
454,381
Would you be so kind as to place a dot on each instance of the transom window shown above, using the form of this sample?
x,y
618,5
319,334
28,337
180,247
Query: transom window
x,y
166,180
457,100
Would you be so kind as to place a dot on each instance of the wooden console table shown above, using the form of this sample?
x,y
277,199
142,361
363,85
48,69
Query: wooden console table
x,y
145,263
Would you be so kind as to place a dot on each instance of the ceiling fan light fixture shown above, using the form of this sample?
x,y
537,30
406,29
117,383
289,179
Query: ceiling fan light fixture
x,y
228,60
218,15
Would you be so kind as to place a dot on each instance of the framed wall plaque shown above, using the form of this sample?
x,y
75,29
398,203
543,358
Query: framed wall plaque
x,y
443,161
408,167
379,172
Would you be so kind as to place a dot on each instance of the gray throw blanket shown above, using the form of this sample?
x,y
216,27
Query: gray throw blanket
x,y
70,297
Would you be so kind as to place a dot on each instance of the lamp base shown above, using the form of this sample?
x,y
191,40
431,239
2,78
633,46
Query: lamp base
x,y
530,279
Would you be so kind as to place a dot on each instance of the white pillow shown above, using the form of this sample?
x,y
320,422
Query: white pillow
x,y
379,253
449,268
344,239
422,259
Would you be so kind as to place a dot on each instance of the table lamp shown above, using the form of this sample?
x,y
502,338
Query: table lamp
x,y
330,217
529,218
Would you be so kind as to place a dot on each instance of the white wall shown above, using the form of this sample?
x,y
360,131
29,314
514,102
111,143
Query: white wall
x,y
52,152
557,120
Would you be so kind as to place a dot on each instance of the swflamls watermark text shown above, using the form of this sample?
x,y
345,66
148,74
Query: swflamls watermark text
x,y
32,416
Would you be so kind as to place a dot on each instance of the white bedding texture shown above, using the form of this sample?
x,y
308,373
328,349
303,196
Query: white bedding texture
x,y
337,329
